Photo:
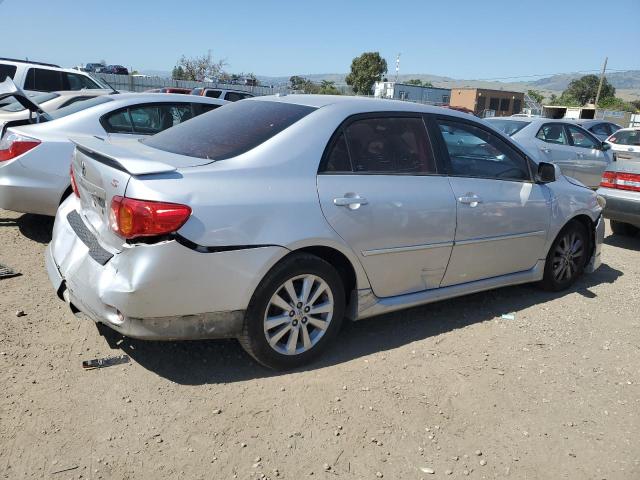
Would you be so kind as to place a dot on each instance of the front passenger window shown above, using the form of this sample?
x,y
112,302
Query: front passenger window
x,y
553,133
474,152
580,138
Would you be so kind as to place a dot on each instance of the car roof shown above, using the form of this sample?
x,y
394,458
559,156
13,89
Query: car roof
x,y
358,104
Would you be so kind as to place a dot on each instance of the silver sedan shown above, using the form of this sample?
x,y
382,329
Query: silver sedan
x,y
576,151
272,219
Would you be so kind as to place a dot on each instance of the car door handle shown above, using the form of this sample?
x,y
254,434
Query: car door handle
x,y
352,202
470,199
581,155
545,149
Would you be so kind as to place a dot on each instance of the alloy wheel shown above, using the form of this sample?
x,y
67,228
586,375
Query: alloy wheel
x,y
568,256
298,314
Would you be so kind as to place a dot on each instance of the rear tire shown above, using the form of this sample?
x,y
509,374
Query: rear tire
x,y
621,228
283,332
567,257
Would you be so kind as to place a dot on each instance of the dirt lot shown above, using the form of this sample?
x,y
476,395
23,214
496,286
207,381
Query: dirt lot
x,y
453,387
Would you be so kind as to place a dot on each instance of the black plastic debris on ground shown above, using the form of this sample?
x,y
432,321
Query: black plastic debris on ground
x,y
6,272
105,362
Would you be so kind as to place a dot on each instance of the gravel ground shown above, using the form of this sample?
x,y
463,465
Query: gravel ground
x,y
449,390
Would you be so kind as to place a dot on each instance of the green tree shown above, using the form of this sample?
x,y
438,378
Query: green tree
x,y
536,95
553,99
365,71
178,73
418,82
635,103
328,88
615,103
584,89
199,68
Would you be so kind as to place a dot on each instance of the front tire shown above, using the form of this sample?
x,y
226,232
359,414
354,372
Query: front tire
x,y
621,228
567,257
295,312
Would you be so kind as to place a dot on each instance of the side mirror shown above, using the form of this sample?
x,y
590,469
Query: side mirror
x,y
605,146
546,172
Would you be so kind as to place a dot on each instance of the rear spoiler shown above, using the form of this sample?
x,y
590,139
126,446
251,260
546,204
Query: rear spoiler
x,y
118,157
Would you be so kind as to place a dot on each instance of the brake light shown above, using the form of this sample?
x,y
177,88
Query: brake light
x,y
608,180
74,185
13,145
621,181
131,218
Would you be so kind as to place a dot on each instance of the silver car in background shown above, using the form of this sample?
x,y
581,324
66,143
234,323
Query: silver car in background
x,y
620,184
273,218
577,152
35,159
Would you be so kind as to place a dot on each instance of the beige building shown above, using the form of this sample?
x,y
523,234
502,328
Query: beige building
x,y
484,102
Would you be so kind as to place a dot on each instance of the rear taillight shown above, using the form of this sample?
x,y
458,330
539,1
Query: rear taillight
x,y
74,185
621,181
608,180
13,145
131,218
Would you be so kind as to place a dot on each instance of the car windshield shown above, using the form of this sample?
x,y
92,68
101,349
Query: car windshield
x,y
626,137
229,131
79,106
16,106
508,127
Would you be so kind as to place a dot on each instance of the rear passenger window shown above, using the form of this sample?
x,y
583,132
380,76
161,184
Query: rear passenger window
x,y
338,158
43,80
119,122
474,152
384,146
553,133
7,71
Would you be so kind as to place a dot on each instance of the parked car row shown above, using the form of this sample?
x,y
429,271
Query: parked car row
x,y
272,219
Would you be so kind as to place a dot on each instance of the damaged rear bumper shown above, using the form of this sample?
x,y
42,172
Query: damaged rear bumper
x,y
164,291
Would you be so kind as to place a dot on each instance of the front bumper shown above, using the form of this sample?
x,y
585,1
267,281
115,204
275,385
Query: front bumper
x,y
622,205
163,291
598,240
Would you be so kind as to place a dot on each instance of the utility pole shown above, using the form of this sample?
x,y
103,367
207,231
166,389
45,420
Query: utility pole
x,y
397,67
604,67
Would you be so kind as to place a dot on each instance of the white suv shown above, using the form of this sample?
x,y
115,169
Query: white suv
x,y
45,77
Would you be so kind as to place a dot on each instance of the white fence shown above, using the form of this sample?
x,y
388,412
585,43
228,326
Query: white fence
x,y
140,84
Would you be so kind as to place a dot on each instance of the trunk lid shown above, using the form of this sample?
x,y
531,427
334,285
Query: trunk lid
x,y
102,171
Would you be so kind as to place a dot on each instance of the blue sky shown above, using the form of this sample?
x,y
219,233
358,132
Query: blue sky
x,y
460,39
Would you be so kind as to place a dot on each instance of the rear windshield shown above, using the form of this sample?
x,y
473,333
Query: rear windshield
x,y
16,106
508,127
626,137
229,131
79,106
